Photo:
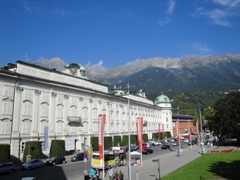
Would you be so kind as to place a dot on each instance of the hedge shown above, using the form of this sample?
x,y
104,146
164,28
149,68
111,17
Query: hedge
x,y
5,153
57,148
32,148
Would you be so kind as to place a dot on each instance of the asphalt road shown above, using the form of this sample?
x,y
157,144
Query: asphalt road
x,y
75,170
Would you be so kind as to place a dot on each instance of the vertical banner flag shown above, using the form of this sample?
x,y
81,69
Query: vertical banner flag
x,y
197,129
189,130
159,130
101,124
177,129
140,132
46,137
163,133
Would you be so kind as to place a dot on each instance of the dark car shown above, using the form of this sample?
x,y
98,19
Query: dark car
x,y
78,157
56,160
147,151
165,146
8,167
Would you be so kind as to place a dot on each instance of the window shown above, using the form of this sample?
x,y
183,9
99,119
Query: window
x,y
95,114
7,107
60,111
59,99
59,127
43,124
73,111
44,108
27,94
5,127
8,92
27,106
26,127
166,119
45,96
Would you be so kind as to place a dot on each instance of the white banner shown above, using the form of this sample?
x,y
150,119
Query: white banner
x,y
69,144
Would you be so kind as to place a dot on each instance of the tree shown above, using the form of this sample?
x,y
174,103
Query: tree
x,y
225,120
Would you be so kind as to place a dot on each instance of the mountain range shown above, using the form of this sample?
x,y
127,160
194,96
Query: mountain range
x,y
170,75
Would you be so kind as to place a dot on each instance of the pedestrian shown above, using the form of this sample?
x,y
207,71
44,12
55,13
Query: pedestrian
x,y
121,175
117,175
97,173
92,172
110,173
85,156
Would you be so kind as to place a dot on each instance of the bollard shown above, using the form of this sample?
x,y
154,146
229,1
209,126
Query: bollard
x,y
137,175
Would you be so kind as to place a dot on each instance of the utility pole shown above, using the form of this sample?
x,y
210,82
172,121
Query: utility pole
x,y
129,147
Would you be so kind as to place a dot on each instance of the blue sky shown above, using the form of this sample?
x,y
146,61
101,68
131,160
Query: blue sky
x,y
114,32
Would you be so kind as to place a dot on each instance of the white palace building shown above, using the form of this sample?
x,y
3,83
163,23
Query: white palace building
x,y
36,101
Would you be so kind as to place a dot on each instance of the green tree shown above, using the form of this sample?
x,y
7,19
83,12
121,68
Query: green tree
x,y
225,120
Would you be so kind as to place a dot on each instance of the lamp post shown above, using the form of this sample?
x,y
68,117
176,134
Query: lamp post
x,y
157,160
200,117
129,147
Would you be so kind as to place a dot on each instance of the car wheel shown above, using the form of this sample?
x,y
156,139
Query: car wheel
x,y
65,161
148,153
41,166
29,168
10,171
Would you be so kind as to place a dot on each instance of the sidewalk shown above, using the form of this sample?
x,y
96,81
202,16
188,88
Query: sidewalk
x,y
168,163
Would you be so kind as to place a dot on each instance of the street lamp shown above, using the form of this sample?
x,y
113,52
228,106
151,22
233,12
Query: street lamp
x,y
129,147
157,160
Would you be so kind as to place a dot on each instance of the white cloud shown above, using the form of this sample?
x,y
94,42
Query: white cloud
x,y
229,3
171,6
201,47
222,12
164,21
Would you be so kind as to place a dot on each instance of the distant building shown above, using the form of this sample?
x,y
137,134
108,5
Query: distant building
x,y
184,121
40,104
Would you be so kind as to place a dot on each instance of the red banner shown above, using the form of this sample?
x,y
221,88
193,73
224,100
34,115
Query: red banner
x,y
101,124
163,133
159,126
189,130
139,125
197,129
177,129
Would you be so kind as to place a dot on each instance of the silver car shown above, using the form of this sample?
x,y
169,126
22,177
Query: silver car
x,y
8,167
35,163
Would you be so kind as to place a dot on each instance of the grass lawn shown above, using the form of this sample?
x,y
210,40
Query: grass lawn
x,y
209,166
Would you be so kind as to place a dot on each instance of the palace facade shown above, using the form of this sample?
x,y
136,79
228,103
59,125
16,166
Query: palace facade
x,y
44,104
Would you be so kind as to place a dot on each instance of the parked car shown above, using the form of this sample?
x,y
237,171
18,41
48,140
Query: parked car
x,y
8,167
147,151
77,157
157,143
35,163
29,178
165,146
175,143
56,160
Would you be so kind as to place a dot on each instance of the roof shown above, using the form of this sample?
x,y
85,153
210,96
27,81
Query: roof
x,y
162,99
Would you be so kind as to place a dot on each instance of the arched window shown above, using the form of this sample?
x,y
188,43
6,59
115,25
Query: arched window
x,y
5,126
73,111
44,108
27,108
26,124
59,127
60,111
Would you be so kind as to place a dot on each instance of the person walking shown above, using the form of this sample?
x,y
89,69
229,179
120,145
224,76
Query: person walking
x,y
121,175
110,173
97,173
92,172
85,156
117,175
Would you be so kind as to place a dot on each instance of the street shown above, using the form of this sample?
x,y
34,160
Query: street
x,y
75,170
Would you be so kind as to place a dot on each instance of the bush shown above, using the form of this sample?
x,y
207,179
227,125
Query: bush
x,y
32,148
5,153
57,148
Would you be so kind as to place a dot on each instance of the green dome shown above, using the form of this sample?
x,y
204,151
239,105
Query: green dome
x,y
162,99
82,68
